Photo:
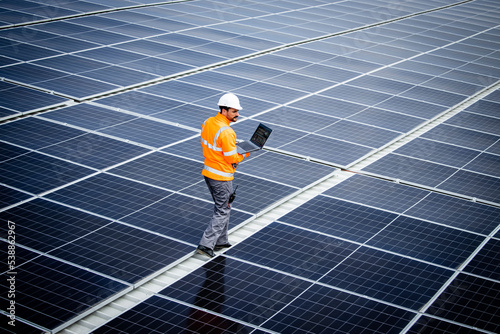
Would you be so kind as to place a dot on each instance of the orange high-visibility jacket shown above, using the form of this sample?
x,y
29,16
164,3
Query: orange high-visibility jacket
x,y
218,140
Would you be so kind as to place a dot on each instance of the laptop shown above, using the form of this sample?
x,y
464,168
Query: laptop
x,y
257,141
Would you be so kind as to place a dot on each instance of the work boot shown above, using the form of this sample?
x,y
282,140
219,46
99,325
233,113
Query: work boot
x,y
205,251
220,247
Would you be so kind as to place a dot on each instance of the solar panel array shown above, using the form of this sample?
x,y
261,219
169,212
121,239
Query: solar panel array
x,y
100,163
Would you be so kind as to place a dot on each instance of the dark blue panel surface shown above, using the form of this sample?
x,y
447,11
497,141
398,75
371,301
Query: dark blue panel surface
x,y
148,132
52,292
377,193
189,149
95,151
77,87
411,170
327,149
187,114
111,55
485,164
123,252
359,134
182,91
284,169
27,52
162,170
180,217
108,195
44,226
254,194
486,263
22,99
300,82
356,95
279,137
271,93
427,241
476,122
237,289
389,86
417,108
476,185
71,63
146,47
139,102
322,308
8,151
120,76
28,73
388,277
328,106
88,116
474,303
340,219
460,136
35,133
457,212
434,151
293,250
432,325
486,108
297,119
66,44
11,196
158,314
328,73
249,71
36,173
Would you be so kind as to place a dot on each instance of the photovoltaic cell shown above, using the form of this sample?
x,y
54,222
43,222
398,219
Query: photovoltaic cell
x,y
35,133
11,196
292,250
139,102
411,107
148,132
36,173
237,289
388,277
377,193
387,119
429,324
254,194
327,149
322,308
476,122
180,217
427,241
51,292
162,170
43,225
460,136
455,212
485,164
475,185
109,195
296,119
122,252
339,218
95,151
284,169
412,170
473,303
433,151
486,262
359,134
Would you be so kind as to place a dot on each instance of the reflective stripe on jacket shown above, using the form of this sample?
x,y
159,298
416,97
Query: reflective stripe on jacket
x,y
218,140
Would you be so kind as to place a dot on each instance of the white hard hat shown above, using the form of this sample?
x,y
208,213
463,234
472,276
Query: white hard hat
x,y
229,100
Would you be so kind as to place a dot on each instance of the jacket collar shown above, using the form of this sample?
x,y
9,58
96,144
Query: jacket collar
x,y
222,118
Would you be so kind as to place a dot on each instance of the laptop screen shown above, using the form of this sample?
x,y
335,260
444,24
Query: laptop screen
x,y
260,135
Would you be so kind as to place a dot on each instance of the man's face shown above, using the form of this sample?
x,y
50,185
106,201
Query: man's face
x,y
231,114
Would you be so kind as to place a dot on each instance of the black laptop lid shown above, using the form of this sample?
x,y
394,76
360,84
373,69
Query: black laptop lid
x,y
260,135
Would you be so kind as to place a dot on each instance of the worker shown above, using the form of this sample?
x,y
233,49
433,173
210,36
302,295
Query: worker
x,y
218,140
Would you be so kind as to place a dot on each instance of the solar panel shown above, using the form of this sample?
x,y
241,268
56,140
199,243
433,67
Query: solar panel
x,y
179,217
336,82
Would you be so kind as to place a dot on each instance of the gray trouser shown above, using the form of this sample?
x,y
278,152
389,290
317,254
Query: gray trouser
x,y
216,232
